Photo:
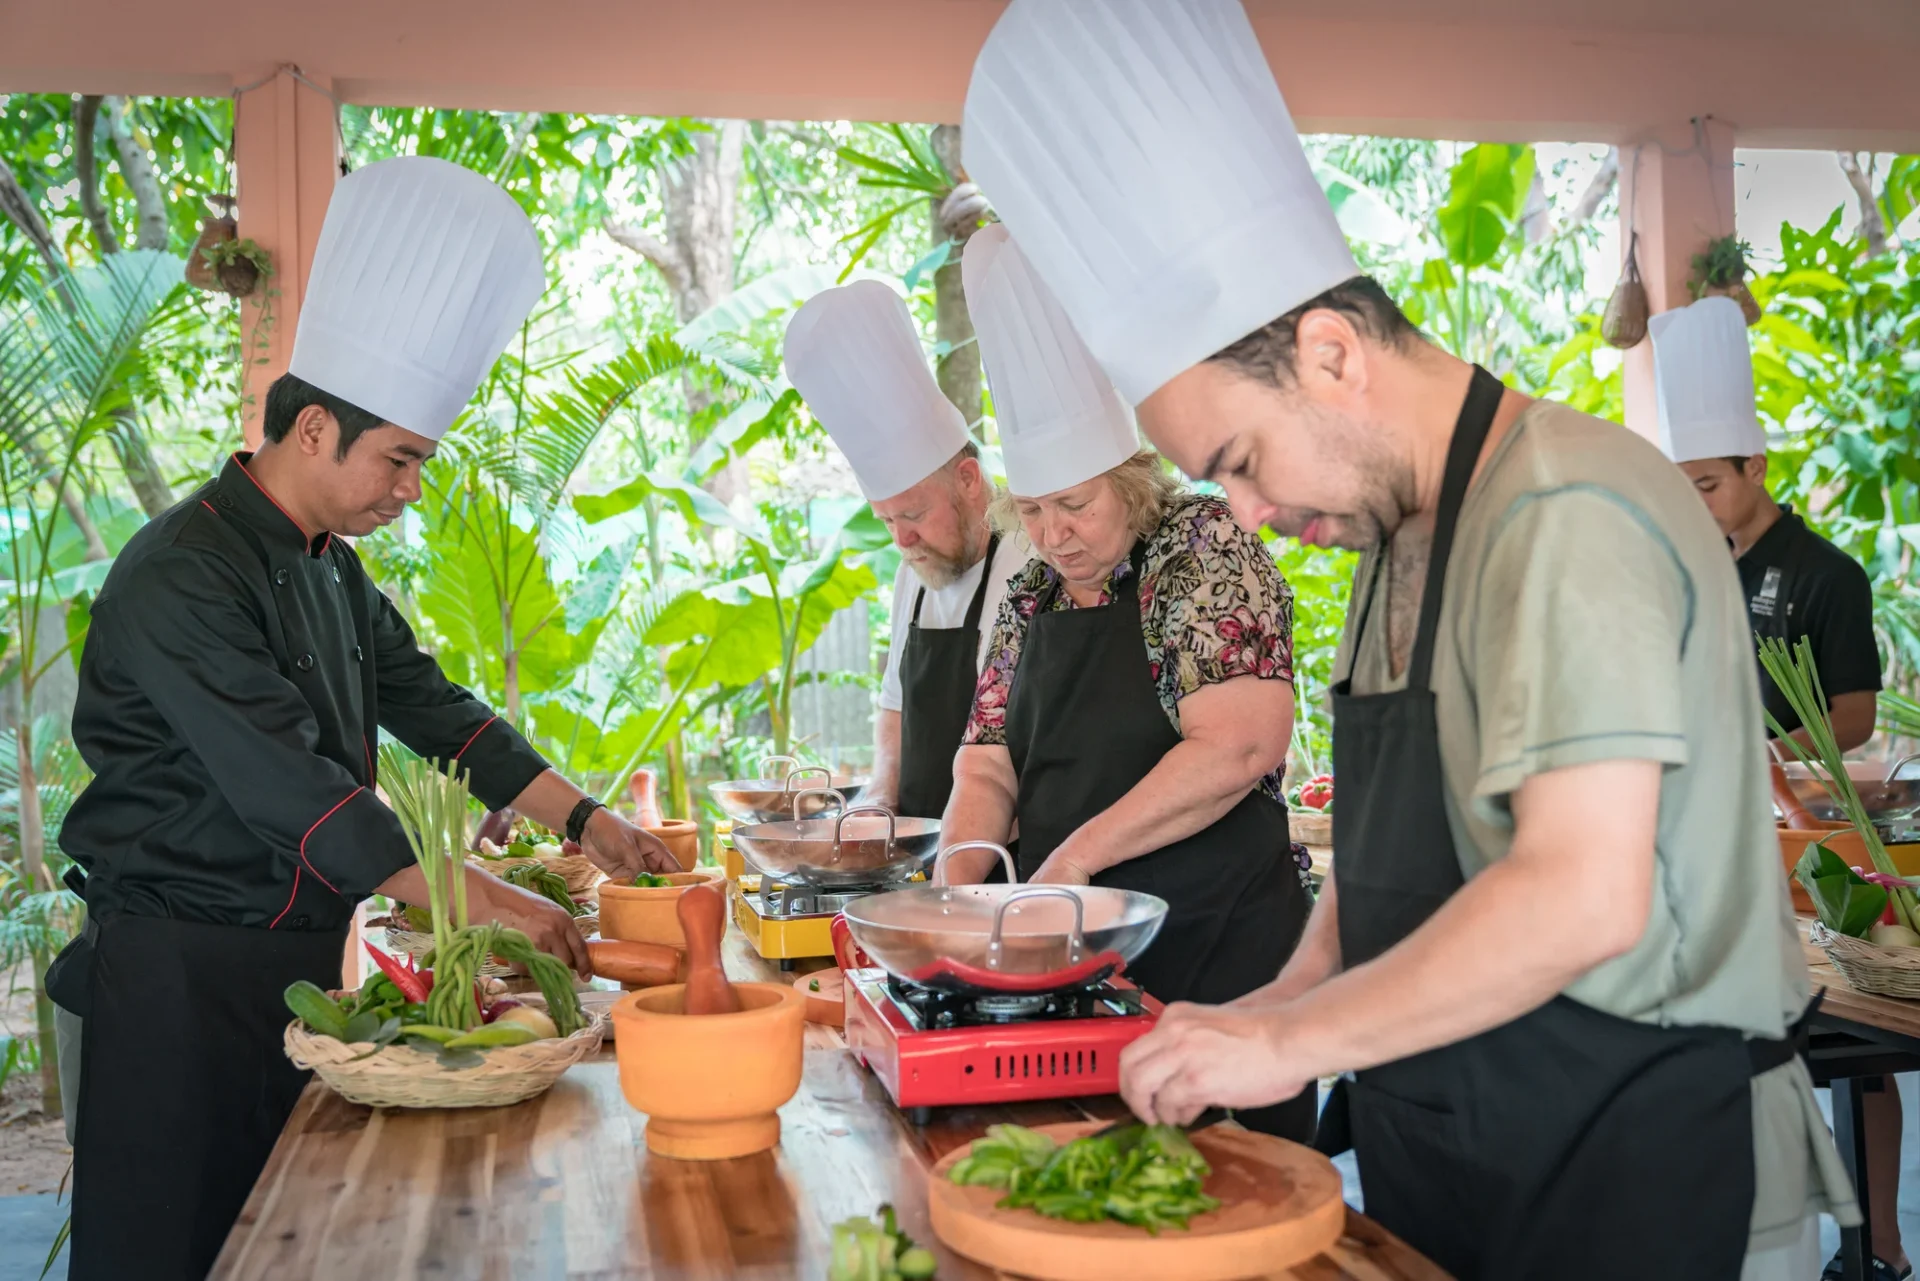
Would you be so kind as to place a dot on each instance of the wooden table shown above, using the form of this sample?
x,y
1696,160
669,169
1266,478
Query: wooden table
x,y
562,1186
1856,1038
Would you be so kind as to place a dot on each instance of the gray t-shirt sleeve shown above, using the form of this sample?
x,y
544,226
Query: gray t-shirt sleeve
x,y
1580,612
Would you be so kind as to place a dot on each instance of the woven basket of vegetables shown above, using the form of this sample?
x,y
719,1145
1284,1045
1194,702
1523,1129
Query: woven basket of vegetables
x,y
428,1036
1870,967
1867,916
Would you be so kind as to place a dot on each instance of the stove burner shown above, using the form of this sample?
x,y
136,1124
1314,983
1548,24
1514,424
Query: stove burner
x,y
778,899
927,1009
1006,1007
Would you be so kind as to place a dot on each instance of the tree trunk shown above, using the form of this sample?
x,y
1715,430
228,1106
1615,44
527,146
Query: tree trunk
x,y
1596,193
696,257
136,167
958,369
139,464
33,866
1873,224
86,115
21,213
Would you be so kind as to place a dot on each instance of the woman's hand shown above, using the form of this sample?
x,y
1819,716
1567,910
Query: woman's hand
x,y
622,850
1061,869
549,925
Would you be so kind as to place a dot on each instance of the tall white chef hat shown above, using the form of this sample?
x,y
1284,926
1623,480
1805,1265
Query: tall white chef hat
x,y
1703,378
852,352
1141,152
1061,421
423,274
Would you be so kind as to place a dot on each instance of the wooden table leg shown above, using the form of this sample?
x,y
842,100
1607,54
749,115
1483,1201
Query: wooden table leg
x,y
1856,1244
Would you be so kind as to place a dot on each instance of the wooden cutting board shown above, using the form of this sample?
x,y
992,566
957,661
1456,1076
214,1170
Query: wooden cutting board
x,y
826,1002
1281,1205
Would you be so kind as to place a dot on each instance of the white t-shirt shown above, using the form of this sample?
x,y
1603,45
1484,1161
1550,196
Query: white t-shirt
x,y
947,607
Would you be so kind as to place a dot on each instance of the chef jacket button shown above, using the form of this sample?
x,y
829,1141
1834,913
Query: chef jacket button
x,y
305,662
226,502
356,653
279,578
299,923
336,573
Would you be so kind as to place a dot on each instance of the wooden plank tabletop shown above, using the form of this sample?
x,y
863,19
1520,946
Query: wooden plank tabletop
x,y
1892,1016
562,1186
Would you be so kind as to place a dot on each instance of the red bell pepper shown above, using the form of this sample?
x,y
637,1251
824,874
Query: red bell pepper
x,y
413,984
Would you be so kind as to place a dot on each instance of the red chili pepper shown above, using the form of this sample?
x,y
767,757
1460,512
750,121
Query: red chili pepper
x,y
412,984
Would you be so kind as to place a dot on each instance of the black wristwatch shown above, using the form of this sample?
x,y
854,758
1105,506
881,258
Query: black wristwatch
x,y
577,821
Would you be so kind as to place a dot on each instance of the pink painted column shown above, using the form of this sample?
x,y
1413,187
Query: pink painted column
x,y
1676,194
286,159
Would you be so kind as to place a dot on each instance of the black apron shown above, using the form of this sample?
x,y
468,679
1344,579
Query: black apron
x,y
1568,1143
184,1087
1084,725
939,668
184,1084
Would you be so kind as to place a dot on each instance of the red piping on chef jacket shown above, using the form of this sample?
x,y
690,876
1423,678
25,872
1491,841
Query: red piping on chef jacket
x,y
316,827
290,898
284,512
476,734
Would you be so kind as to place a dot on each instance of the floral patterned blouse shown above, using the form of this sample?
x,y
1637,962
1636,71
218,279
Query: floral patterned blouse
x,y
1213,606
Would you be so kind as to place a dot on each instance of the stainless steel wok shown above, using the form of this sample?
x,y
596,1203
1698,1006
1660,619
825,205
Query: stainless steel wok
x,y
1003,938
1889,799
864,845
770,799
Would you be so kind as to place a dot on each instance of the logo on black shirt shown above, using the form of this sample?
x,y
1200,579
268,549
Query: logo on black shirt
x,y
1762,604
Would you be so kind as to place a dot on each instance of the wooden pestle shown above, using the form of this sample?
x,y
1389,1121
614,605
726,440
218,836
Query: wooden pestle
x,y
703,917
646,802
1792,812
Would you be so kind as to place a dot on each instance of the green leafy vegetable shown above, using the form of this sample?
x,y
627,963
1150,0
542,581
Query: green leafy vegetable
x,y
1793,671
1146,1176
1847,903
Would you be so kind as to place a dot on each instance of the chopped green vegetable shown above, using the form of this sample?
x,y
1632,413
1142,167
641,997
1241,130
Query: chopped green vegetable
x,y
1146,1176
649,881
866,1251
813,985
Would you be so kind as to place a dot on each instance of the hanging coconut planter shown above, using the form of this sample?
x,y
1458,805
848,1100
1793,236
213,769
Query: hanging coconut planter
x,y
1722,271
220,261
1624,323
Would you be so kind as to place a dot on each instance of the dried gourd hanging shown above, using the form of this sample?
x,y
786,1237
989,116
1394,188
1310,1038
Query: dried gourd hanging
x,y
1624,323
217,228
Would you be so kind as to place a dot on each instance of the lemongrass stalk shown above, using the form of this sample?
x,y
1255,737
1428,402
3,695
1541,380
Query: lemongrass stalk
x,y
1798,679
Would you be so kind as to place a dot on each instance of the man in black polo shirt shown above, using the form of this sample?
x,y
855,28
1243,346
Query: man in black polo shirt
x,y
1796,584
238,671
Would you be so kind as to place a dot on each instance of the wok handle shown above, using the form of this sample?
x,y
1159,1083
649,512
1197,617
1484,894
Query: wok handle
x,y
1076,941
834,792
940,860
826,776
1898,765
846,814
768,762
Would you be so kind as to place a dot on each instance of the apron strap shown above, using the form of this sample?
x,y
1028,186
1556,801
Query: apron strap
x,y
1767,1055
1469,434
979,601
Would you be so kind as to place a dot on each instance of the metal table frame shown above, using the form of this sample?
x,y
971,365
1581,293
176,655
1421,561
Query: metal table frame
x,y
1843,1055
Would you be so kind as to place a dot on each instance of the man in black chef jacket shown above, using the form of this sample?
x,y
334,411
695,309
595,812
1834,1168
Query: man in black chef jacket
x,y
239,666
854,354
1796,584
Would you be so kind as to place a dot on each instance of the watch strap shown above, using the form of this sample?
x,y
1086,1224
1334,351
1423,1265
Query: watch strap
x,y
577,820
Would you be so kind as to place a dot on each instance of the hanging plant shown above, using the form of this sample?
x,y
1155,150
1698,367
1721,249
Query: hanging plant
x,y
239,267
1624,323
1722,271
217,228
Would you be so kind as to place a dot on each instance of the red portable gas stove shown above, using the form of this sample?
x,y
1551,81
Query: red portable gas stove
x,y
993,993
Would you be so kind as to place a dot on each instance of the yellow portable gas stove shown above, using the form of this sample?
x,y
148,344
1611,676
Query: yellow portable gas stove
x,y
797,926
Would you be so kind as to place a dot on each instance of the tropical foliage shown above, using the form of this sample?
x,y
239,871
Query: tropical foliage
x,y
636,535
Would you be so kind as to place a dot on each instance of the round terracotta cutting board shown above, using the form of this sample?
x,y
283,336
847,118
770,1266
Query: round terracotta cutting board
x,y
1281,1205
828,1004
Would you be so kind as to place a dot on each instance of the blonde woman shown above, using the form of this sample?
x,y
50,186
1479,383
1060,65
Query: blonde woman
x,y
1135,708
